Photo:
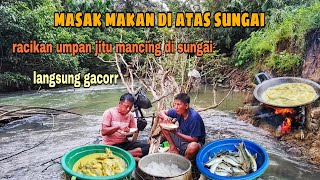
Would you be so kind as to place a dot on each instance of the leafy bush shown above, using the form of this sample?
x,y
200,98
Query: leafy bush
x,y
284,61
13,81
267,45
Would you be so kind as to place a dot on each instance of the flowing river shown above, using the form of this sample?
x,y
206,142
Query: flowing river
x,y
53,136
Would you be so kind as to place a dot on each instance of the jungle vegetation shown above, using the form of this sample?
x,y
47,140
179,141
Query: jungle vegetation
x,y
287,21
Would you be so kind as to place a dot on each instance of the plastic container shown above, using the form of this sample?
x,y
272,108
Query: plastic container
x,y
229,144
165,144
71,157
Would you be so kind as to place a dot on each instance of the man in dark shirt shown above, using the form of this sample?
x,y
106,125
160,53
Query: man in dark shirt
x,y
188,138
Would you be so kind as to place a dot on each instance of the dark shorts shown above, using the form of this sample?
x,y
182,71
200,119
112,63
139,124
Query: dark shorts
x,y
129,145
180,143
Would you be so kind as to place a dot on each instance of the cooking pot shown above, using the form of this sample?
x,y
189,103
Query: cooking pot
x,y
265,82
142,172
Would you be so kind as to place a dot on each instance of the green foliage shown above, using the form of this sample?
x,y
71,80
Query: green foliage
x,y
226,38
281,44
249,50
13,81
25,20
284,61
213,65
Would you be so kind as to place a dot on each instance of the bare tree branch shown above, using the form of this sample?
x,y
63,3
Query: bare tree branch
x,y
121,75
216,105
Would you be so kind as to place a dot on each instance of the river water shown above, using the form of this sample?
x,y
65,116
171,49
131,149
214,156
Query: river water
x,y
54,136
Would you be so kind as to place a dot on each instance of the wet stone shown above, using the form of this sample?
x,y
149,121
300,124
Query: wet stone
x,y
295,152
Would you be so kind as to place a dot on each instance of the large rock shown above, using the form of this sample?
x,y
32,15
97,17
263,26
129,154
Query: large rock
x,y
311,66
315,113
295,152
313,119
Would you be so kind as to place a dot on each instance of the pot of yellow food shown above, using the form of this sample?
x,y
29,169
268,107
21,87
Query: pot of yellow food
x,y
285,91
97,162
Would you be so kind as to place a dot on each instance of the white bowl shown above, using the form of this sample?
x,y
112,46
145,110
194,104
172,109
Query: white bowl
x,y
131,131
169,126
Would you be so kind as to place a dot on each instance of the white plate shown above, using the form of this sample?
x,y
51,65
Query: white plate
x,y
131,131
168,126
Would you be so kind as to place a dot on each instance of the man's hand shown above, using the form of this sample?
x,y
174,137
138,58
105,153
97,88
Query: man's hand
x,y
124,128
167,119
168,130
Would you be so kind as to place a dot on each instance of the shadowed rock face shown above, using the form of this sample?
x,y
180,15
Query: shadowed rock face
x,y
311,66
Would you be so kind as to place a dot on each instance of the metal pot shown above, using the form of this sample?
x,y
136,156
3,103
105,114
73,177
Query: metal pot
x,y
167,159
265,82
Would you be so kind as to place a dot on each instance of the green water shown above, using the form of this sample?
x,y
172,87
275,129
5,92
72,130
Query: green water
x,y
97,99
